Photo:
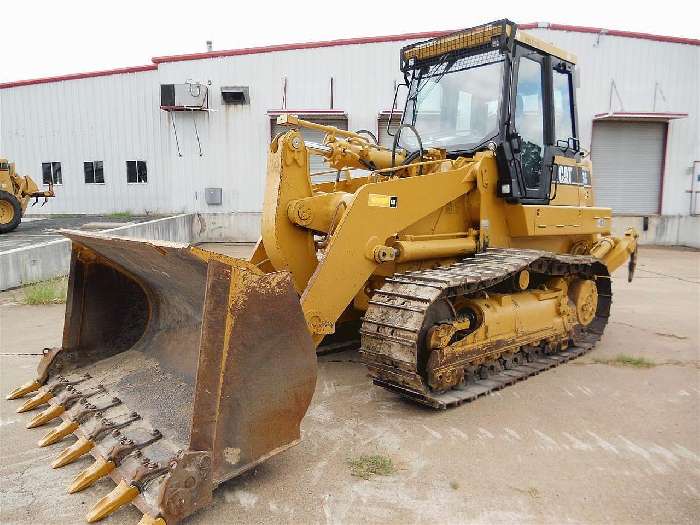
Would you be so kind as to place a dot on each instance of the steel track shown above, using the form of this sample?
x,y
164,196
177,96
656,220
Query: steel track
x,y
391,328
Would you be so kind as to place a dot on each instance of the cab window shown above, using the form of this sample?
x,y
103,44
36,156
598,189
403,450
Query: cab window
x,y
563,110
529,119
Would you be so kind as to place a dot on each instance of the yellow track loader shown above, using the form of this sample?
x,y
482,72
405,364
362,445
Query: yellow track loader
x,y
15,193
466,257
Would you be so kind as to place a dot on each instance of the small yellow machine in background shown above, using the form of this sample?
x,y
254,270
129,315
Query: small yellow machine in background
x,y
466,257
15,193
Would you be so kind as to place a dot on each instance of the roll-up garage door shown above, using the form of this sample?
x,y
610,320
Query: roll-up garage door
x,y
384,138
311,135
627,164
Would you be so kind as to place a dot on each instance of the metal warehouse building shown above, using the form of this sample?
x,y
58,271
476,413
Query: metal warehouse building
x,y
112,142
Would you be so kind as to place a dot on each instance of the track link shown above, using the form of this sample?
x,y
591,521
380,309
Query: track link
x,y
392,325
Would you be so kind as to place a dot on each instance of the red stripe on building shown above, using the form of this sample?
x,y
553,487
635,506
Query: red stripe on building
x,y
626,34
340,42
412,36
78,76
300,45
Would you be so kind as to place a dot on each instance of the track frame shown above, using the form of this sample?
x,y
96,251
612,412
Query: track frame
x,y
391,326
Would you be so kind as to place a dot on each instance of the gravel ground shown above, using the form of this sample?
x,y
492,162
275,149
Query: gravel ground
x,y
583,443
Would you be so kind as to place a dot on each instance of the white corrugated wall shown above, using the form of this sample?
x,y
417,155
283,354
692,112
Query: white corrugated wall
x,y
638,68
117,118
235,138
112,118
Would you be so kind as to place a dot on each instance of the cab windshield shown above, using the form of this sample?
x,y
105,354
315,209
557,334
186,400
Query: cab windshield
x,y
454,107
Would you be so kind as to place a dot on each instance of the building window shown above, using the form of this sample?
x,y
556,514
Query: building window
x,y
94,172
51,173
136,172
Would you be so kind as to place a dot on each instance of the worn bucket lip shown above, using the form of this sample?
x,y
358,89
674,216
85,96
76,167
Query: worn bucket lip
x,y
196,252
77,235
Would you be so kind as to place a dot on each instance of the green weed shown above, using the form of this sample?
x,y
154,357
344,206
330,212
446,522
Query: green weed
x,y
367,466
46,292
626,360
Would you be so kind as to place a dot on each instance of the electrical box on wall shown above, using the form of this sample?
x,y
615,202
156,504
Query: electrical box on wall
x,y
191,95
212,196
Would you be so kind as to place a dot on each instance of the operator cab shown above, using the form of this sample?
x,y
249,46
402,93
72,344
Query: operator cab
x,y
493,87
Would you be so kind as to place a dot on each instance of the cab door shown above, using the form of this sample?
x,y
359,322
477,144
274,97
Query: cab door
x,y
563,117
571,179
545,120
529,121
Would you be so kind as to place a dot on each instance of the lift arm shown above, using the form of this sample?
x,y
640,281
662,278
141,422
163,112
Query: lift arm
x,y
371,215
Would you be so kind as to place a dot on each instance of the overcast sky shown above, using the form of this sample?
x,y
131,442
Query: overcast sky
x,y
43,38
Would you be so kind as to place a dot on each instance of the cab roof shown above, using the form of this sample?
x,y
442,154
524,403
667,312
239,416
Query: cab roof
x,y
484,38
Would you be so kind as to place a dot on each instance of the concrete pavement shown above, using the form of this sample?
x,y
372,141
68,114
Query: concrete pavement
x,y
36,229
582,443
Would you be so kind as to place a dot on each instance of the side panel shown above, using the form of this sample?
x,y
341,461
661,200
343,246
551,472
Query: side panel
x,y
540,221
571,182
555,227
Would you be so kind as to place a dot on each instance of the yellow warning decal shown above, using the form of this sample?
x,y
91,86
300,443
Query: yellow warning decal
x,y
382,201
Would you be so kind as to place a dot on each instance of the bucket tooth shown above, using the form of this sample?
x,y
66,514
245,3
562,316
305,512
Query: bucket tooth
x,y
147,519
58,433
69,455
46,416
40,399
67,399
20,391
100,468
121,495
